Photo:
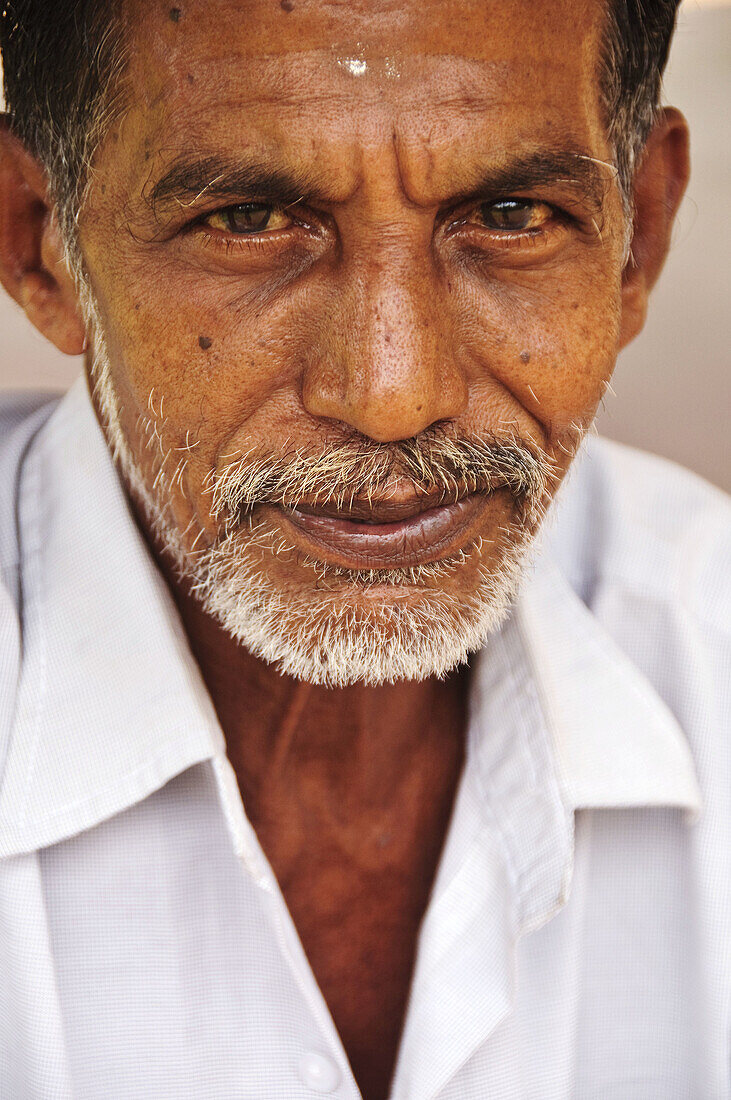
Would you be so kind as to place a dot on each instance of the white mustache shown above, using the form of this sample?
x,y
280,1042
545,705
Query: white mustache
x,y
356,470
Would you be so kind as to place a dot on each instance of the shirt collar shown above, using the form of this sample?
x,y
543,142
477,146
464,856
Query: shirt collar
x,y
616,742
111,704
561,720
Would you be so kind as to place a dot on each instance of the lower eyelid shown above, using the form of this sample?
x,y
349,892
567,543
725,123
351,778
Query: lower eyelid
x,y
526,241
273,242
506,239
227,242
547,229
527,238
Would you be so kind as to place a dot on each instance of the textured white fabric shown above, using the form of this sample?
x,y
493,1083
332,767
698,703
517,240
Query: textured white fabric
x,y
577,942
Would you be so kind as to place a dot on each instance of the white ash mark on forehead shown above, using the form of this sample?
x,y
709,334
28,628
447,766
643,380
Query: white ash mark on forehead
x,y
356,66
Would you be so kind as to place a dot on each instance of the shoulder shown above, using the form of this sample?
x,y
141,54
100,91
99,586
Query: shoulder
x,y
643,526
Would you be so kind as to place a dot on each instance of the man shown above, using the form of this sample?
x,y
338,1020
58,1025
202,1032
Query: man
x,y
318,776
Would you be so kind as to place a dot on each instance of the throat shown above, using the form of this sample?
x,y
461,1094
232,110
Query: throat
x,y
354,836
357,761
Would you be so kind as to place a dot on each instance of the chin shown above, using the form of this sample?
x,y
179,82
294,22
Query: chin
x,y
337,627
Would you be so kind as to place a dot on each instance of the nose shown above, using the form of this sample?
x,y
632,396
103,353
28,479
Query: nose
x,y
388,367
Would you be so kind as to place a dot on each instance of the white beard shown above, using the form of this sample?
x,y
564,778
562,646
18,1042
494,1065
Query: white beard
x,y
350,632
349,626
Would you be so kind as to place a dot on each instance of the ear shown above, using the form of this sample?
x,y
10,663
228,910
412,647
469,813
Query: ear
x,y
659,184
32,265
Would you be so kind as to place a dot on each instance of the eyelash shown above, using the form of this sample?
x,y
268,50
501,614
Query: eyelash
x,y
244,242
513,240
532,236
241,242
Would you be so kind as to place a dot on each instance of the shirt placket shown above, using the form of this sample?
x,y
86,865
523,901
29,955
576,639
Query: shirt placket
x,y
516,840
325,1070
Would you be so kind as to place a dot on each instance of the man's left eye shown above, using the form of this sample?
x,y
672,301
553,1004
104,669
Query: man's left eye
x,y
511,215
248,218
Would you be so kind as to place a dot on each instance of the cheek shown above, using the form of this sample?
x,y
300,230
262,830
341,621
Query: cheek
x,y
215,362
550,342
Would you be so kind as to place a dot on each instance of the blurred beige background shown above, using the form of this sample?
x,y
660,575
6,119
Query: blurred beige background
x,y
673,385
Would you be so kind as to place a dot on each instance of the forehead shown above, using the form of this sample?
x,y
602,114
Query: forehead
x,y
311,79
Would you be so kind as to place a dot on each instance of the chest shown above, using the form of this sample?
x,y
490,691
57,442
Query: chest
x,y
356,885
359,930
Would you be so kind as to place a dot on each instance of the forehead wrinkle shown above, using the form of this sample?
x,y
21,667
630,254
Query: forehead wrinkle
x,y
303,128
193,177
300,80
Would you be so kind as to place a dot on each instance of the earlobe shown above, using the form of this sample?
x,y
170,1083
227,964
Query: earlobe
x,y
635,295
659,185
32,266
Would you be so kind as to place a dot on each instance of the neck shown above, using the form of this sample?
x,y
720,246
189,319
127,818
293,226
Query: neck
x,y
363,735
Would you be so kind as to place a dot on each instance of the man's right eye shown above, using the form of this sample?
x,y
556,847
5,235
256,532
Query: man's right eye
x,y
248,219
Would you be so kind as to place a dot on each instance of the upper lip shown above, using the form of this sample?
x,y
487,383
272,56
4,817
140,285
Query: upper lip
x,y
388,510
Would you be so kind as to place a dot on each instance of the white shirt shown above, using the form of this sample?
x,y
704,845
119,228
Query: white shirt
x,y
577,942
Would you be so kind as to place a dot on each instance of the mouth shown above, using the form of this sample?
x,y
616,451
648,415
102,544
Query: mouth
x,y
385,534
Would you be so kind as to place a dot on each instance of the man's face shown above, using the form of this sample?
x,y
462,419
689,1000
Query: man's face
x,y
351,262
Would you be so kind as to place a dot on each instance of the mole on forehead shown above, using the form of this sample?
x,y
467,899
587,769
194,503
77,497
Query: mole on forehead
x,y
271,25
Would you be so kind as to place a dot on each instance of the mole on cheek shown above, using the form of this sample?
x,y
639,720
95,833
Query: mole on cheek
x,y
205,342
525,357
175,14
286,5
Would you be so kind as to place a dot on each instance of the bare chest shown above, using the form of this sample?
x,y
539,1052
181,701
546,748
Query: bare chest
x,y
354,836
357,893
359,934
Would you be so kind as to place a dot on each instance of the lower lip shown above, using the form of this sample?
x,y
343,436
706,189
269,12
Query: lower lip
x,y
430,535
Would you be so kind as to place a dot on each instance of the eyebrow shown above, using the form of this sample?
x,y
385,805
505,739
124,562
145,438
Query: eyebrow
x,y
190,179
588,177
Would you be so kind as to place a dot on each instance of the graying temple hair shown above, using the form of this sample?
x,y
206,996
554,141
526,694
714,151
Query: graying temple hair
x,y
63,70
64,87
630,78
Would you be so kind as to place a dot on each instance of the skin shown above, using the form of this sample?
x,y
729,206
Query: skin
x,y
387,310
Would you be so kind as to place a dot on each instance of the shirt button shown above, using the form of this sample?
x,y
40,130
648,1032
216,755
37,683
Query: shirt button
x,y
319,1072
